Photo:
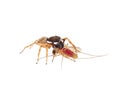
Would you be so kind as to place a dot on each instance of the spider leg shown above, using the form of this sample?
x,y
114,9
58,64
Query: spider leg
x,y
46,55
38,55
76,50
53,58
28,46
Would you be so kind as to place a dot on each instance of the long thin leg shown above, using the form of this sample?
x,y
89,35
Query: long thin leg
x,y
68,57
92,56
46,55
72,59
55,56
27,47
38,55
61,62
71,44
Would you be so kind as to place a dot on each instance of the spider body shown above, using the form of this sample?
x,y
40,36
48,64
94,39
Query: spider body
x,y
57,43
54,39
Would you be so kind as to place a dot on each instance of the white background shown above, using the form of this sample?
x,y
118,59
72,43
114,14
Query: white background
x,y
92,25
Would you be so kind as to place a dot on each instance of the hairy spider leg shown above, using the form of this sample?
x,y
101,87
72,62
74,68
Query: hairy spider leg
x,y
30,45
40,43
38,55
76,50
46,46
46,55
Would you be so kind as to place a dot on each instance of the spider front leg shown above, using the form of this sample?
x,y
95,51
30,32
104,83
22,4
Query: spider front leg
x,y
76,50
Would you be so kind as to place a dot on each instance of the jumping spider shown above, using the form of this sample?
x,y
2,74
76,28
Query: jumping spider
x,y
57,43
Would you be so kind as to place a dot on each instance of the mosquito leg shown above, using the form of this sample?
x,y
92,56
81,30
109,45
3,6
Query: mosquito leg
x,y
61,62
68,57
38,55
27,47
73,60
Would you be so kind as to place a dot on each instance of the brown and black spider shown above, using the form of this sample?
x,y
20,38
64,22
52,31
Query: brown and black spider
x,y
57,43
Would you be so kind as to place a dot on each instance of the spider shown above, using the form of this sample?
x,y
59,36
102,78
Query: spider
x,y
58,46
